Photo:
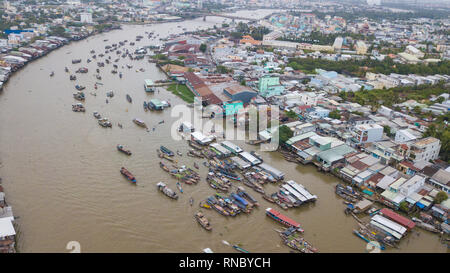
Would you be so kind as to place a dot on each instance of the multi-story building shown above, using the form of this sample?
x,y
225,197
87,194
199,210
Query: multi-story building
x,y
424,150
270,86
367,133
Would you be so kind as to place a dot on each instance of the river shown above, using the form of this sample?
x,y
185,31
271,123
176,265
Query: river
x,y
60,169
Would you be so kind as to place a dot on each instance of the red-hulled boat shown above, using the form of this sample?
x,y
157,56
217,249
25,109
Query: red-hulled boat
x,y
277,216
128,175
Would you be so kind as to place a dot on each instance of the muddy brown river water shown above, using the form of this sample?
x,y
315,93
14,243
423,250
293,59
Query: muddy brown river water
x,y
60,169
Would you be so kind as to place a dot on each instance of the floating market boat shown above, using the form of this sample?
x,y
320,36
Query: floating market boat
x,y
293,240
140,122
123,150
167,191
78,107
128,175
110,94
240,249
73,77
79,87
166,151
179,187
277,216
79,96
104,122
201,219
128,98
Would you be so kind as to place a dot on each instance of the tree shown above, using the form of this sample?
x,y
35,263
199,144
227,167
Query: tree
x,y
404,206
291,114
285,133
335,114
203,48
387,130
440,197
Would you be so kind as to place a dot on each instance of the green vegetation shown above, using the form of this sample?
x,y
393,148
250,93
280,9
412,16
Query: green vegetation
x,y
335,114
359,67
440,197
388,97
440,130
182,91
203,48
316,37
243,29
404,206
291,114
285,133
223,70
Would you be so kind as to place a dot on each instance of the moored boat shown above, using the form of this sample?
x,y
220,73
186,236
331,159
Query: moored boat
x,y
277,216
166,151
179,187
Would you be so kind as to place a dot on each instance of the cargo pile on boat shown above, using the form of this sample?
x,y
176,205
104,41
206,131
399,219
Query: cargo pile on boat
x,y
183,174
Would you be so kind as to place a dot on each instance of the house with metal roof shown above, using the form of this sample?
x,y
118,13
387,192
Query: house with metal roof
x,y
329,157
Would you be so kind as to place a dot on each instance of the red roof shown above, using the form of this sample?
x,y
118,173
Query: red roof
x,y
398,218
284,218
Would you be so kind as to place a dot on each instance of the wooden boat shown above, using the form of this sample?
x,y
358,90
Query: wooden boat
x,y
128,175
73,77
79,96
52,74
196,165
79,87
201,219
128,98
179,187
78,107
104,122
164,166
293,240
97,115
123,150
166,151
66,69
191,201
139,123
240,249
168,192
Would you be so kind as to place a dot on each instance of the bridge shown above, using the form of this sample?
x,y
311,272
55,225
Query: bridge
x,y
228,16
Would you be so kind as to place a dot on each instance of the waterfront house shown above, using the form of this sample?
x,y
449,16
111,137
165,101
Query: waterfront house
x,y
425,149
334,155
440,180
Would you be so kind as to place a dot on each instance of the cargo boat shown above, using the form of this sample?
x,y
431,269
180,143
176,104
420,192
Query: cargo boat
x,y
128,175
122,149
166,151
140,122
201,219
277,216
164,189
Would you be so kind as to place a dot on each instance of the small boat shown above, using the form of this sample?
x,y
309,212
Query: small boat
x,y
78,107
161,122
201,219
140,123
128,175
128,98
180,154
145,106
166,151
191,201
179,187
104,122
97,115
240,249
79,87
120,75
73,77
168,192
66,69
79,96
110,94
120,125
122,149
196,165
52,74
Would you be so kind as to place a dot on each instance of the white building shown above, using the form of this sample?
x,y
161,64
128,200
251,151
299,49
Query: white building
x,y
367,133
86,17
337,45
425,149
405,135
412,185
